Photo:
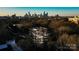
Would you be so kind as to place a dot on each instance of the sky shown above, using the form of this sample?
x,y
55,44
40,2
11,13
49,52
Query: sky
x,y
21,11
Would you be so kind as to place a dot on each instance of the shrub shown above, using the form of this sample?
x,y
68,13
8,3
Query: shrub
x,y
68,40
55,24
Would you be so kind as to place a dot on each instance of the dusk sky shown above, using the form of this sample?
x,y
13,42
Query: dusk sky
x,y
20,11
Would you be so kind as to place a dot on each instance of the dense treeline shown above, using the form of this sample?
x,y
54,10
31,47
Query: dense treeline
x,y
63,34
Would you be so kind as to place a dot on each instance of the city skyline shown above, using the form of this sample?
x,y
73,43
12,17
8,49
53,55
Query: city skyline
x,y
21,11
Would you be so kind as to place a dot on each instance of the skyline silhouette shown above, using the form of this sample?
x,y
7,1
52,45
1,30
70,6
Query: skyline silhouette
x,y
21,11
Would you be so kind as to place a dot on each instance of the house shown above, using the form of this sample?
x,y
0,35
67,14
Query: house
x,y
74,19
